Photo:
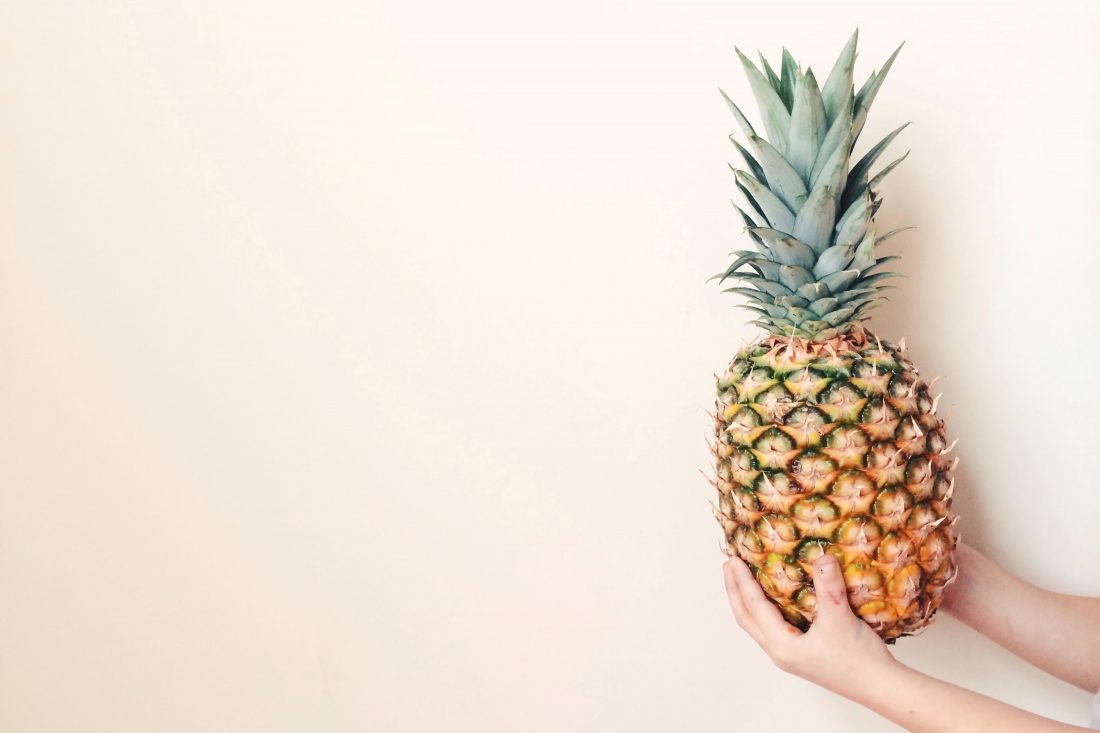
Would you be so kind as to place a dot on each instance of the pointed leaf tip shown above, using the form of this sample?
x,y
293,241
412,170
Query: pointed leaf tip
x,y
775,114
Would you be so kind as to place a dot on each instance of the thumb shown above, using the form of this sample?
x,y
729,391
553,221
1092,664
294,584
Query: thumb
x,y
832,594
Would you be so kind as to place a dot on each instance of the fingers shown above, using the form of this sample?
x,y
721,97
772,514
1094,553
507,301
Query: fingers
x,y
832,594
737,604
767,619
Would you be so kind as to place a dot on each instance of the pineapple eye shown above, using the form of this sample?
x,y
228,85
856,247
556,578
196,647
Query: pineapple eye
x,y
796,466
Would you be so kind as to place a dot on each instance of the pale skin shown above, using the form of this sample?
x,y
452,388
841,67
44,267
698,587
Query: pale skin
x,y
1057,633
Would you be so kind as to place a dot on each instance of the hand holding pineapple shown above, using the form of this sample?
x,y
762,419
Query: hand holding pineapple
x,y
837,652
1059,634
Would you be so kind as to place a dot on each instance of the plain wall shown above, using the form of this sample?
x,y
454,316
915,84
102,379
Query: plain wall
x,y
357,354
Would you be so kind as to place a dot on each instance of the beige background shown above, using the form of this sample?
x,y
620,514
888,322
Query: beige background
x,y
356,354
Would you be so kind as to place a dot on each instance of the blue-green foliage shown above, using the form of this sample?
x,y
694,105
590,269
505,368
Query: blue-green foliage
x,y
810,211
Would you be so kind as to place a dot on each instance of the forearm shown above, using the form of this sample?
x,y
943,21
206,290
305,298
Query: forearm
x,y
923,704
1057,633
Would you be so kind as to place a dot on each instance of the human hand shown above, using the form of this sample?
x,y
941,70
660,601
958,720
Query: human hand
x,y
843,654
839,651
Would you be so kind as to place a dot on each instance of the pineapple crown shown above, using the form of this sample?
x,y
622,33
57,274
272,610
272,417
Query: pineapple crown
x,y
813,272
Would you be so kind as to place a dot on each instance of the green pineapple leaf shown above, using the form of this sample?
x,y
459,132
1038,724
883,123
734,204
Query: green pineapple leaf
x,y
874,182
769,72
857,177
782,178
787,249
839,137
750,161
794,276
839,316
777,118
754,295
750,223
789,78
814,222
839,281
835,173
773,288
808,126
774,211
865,256
744,256
765,267
753,308
853,293
838,90
869,279
853,224
753,204
742,121
798,316
892,233
867,92
834,259
791,301
823,306
812,291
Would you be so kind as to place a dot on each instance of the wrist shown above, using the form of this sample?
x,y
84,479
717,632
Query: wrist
x,y
877,684
864,678
975,572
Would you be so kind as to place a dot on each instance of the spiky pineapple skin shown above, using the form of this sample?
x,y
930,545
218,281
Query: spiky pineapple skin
x,y
835,446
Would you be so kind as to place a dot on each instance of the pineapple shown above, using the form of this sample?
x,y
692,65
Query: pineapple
x,y
826,437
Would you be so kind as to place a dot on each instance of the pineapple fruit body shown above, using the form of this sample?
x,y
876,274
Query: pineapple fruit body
x,y
835,446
